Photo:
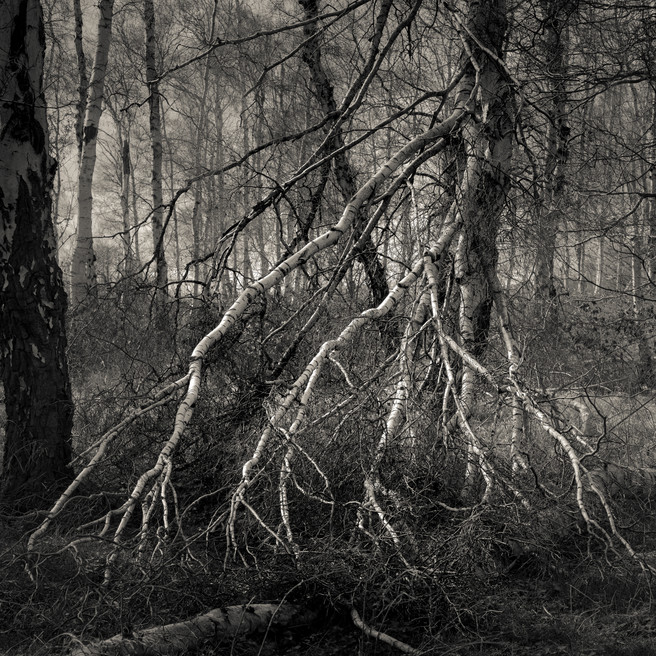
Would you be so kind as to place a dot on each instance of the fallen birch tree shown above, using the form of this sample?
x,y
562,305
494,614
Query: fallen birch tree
x,y
214,626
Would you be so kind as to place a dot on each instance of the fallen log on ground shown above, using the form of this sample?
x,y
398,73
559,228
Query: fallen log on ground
x,y
211,626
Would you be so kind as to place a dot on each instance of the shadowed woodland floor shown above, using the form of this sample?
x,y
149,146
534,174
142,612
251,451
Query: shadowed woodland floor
x,y
496,578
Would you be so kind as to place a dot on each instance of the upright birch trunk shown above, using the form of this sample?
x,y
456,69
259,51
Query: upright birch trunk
x,y
135,215
156,145
33,363
651,186
83,78
246,269
601,266
244,266
123,138
201,214
224,280
83,267
488,144
643,255
171,190
200,154
258,137
581,265
128,255
550,213
196,223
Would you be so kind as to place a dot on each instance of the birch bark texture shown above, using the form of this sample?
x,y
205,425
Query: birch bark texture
x,y
83,267
33,362
487,142
488,146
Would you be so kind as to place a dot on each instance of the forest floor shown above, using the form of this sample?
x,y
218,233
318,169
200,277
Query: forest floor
x,y
519,616
542,628
521,620
567,594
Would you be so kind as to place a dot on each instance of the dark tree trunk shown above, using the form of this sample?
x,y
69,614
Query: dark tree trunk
x,y
344,171
155,127
32,299
488,145
551,213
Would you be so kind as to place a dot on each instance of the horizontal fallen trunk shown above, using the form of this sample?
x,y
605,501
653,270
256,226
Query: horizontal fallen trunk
x,y
214,625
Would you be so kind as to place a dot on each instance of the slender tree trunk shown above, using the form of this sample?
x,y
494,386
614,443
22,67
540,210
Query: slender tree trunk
x,y
55,127
246,270
123,138
221,194
135,215
619,266
83,78
642,249
200,147
258,137
196,228
245,189
581,264
33,363
83,267
128,255
156,145
637,263
651,187
551,210
344,172
245,264
601,265
171,174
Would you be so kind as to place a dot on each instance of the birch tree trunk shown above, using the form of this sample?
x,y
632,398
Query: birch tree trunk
x,y
246,269
245,265
550,213
488,143
135,215
487,169
128,256
200,153
156,145
171,190
83,267
643,250
123,138
601,266
33,362
83,78
258,137
224,279
581,266
211,627
651,186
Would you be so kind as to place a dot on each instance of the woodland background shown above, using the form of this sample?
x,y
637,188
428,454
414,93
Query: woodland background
x,y
360,318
